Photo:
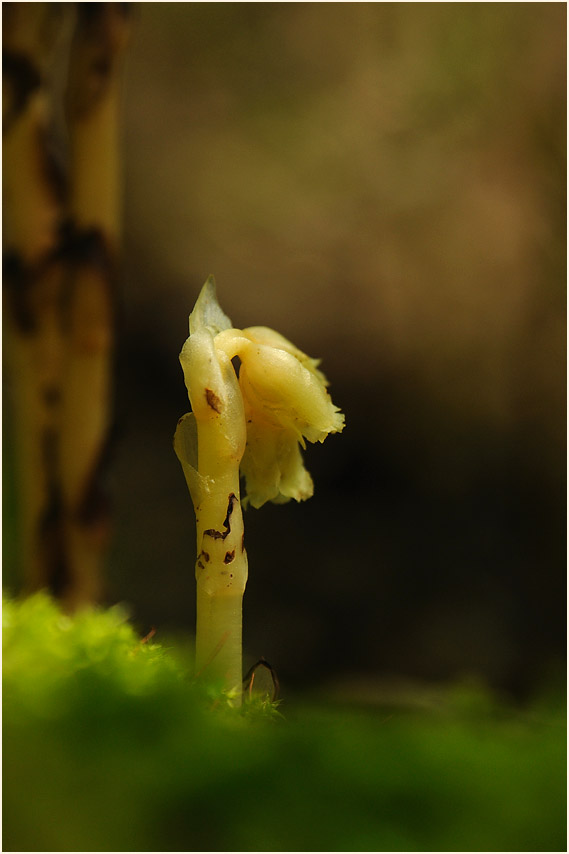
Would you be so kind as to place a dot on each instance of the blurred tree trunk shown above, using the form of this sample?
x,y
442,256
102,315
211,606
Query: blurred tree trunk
x,y
60,245
92,108
34,197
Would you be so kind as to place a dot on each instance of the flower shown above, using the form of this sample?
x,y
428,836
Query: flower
x,y
285,400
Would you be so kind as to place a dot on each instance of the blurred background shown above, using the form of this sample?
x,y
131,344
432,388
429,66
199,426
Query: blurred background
x,y
384,184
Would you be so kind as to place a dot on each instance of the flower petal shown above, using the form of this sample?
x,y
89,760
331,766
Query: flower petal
x,y
286,401
208,312
288,393
273,467
270,338
280,400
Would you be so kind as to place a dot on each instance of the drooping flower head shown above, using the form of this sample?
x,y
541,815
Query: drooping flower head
x,y
284,399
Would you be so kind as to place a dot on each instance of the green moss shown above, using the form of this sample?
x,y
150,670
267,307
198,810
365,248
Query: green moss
x,y
110,745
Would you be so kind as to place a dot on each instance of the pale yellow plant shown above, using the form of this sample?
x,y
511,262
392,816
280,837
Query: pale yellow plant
x,y
251,422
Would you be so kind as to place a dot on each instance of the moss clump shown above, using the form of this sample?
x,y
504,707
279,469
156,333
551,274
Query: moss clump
x,y
110,745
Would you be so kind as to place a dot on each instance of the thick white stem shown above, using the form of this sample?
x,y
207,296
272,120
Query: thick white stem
x,y
218,639
221,565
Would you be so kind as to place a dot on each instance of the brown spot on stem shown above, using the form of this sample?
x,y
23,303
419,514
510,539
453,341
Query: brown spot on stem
x,y
213,401
243,541
206,556
221,535
232,500
229,556
200,564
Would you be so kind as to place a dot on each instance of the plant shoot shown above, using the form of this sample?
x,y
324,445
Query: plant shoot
x,y
249,422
